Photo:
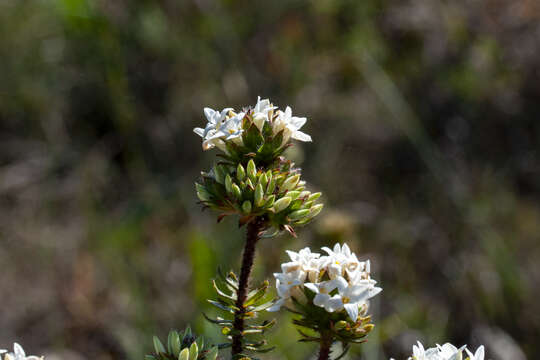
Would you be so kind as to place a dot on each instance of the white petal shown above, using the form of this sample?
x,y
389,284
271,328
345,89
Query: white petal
x,y
341,283
18,350
479,354
199,131
333,304
298,122
321,299
277,305
352,310
209,113
312,287
298,135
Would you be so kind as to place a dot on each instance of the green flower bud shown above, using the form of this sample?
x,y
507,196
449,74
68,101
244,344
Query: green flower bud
x,y
237,193
158,346
174,343
315,210
271,185
314,196
184,354
228,183
250,184
282,204
251,170
293,194
270,201
298,214
246,206
240,172
308,204
259,196
290,183
263,180
304,194
340,325
193,351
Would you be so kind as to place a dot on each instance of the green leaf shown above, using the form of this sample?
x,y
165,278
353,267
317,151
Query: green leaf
x,y
158,346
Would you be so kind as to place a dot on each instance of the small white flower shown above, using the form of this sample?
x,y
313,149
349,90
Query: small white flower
x,y
444,352
262,112
323,297
290,125
215,120
18,354
478,355
230,129
348,288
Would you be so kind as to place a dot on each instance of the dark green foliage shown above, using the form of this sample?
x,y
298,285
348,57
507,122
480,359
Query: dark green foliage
x,y
226,288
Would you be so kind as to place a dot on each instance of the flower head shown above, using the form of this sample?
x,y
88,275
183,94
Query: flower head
x,y
18,354
338,281
268,123
444,352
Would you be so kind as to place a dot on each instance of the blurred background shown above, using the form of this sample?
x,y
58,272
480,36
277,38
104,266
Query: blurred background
x,y
425,120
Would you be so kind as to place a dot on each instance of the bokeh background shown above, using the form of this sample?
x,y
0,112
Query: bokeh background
x,y
425,119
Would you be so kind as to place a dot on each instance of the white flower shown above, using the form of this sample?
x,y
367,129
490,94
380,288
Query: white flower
x,y
478,355
341,261
347,287
18,354
215,120
306,261
230,129
290,125
444,352
262,112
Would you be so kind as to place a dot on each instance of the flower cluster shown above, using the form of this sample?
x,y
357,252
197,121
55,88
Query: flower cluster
x,y
253,179
17,354
227,125
338,280
445,352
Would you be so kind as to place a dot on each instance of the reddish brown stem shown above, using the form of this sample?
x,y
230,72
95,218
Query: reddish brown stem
x,y
325,345
254,229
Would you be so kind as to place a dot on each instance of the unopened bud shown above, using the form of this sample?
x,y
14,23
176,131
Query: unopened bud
x,y
259,196
236,191
251,170
240,172
270,201
246,206
290,183
293,194
340,325
315,210
282,204
184,354
298,214
228,183
263,180
314,196
193,351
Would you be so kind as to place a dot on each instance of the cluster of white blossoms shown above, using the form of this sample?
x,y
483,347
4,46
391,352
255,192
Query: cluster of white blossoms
x,y
17,354
445,352
226,125
339,280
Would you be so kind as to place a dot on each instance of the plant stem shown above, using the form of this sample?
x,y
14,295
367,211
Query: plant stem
x,y
254,229
325,345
